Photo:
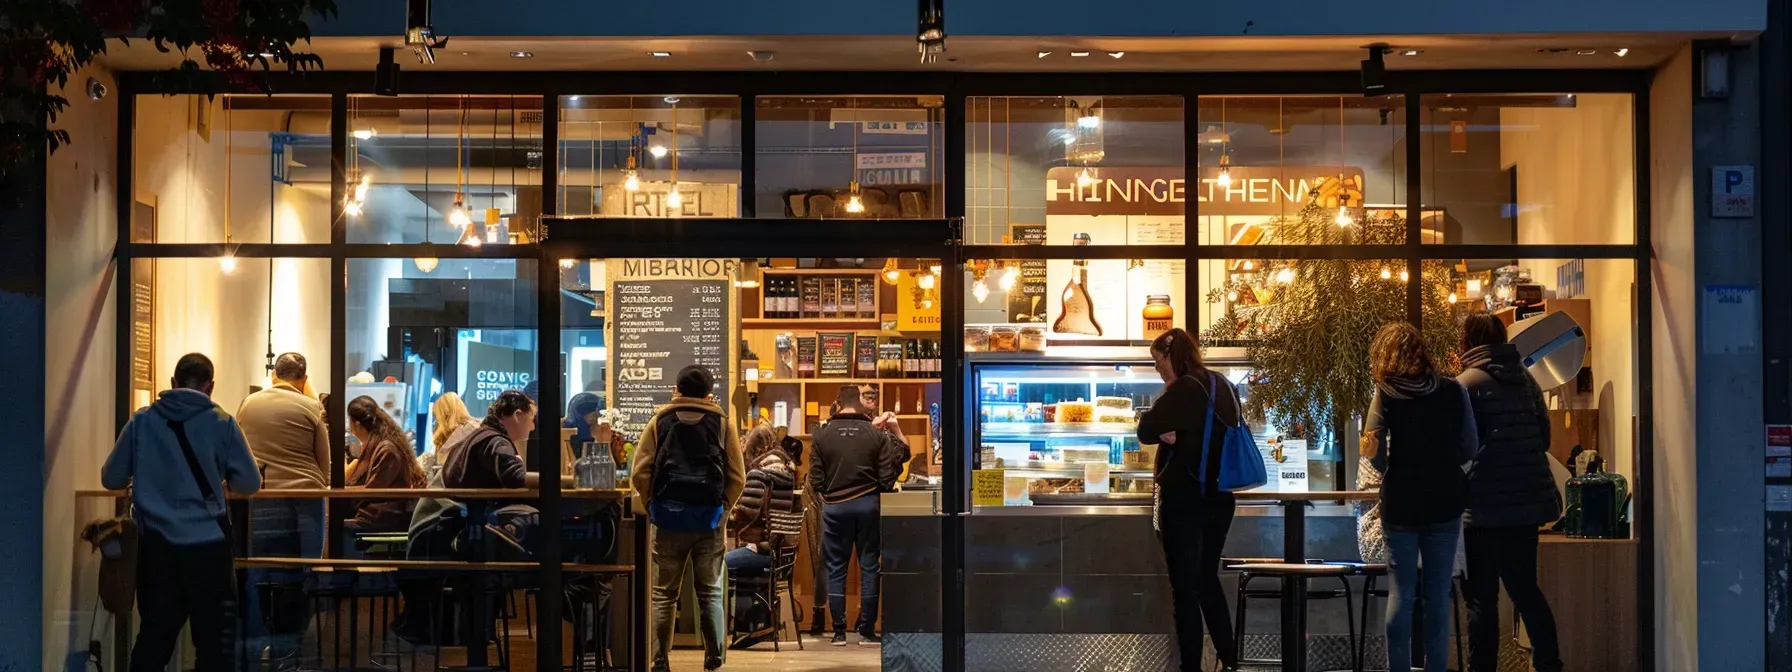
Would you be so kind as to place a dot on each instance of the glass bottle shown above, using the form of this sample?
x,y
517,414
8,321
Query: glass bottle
x,y
1159,316
585,470
1078,309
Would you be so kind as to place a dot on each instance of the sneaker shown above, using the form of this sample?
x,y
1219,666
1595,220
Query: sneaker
x,y
839,639
870,639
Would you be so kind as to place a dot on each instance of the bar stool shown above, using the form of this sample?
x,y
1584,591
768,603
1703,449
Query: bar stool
x,y
1249,572
375,585
1372,573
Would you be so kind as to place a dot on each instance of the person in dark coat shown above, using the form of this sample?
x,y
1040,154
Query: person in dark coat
x,y
771,487
1511,493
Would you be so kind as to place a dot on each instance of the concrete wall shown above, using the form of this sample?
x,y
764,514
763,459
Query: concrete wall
x,y
540,18
81,229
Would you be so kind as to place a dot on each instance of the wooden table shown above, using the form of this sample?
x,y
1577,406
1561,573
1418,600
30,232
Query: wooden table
x,y
404,493
1294,550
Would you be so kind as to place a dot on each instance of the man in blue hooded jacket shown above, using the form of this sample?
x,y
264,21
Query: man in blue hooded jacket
x,y
175,455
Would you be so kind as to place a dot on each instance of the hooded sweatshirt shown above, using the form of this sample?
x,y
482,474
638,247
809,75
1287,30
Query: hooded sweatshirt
x,y
688,410
148,458
1511,484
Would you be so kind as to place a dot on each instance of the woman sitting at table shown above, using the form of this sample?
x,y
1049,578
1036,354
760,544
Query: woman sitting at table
x,y
1192,514
452,420
1419,436
771,487
385,461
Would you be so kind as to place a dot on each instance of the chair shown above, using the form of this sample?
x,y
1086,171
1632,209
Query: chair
x,y
1251,569
1371,573
779,582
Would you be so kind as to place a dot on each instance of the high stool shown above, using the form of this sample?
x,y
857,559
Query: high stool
x,y
378,587
1250,572
1372,573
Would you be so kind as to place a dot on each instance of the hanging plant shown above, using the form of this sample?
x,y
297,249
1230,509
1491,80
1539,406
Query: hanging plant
x,y
43,42
1306,324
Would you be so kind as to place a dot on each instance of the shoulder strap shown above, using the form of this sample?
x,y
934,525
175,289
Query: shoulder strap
x,y
186,450
1207,428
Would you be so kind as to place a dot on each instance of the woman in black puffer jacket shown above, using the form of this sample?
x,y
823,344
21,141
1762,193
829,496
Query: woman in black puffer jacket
x,y
771,486
1511,493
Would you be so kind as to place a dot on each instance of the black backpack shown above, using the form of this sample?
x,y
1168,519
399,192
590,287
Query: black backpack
x,y
688,475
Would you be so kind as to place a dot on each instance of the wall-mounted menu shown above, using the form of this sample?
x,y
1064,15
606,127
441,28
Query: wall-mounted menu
x,y
666,314
1027,302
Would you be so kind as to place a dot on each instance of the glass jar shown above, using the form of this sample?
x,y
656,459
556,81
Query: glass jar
x,y
1158,315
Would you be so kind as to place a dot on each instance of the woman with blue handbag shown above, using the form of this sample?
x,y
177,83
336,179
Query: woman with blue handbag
x,y
1188,422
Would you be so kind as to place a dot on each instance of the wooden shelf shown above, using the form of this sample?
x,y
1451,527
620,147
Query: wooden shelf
x,y
812,323
914,417
763,270
847,381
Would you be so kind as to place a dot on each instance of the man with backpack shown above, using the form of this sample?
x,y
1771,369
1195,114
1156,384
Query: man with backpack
x,y
856,458
175,456
687,473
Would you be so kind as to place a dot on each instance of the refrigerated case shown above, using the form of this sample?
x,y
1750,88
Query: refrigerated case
x,y
1046,417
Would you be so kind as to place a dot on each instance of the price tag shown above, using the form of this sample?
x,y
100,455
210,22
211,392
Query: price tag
x,y
986,487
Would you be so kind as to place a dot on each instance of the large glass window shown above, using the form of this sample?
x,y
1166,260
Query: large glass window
x,y
1529,169
650,156
1301,170
444,169
850,156
237,168
1040,170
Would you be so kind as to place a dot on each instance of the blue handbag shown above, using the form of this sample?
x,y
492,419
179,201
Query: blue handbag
x,y
1241,465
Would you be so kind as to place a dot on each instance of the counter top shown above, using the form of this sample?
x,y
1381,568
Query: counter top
x,y
399,493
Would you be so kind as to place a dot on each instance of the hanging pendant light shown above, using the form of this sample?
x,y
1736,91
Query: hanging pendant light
x,y
1010,277
633,180
891,272
1385,273
854,204
1085,177
1404,276
1343,218
426,264
1286,275
457,215
1225,178
673,198
979,284
227,263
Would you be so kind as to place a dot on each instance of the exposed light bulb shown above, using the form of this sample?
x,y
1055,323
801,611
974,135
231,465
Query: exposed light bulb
x,y
1010,278
633,182
352,209
658,151
426,264
674,199
1285,276
1451,298
980,290
925,281
854,205
1225,178
458,216
362,187
1344,216
473,241
1088,121
227,263
1385,273
365,133
1404,276
1085,178
935,269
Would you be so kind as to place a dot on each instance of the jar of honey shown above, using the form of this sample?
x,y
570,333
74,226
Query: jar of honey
x,y
1159,315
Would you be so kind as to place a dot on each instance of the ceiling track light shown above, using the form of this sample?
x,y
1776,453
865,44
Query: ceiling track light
x,y
522,54
930,29
419,35
660,54
1375,71
1079,54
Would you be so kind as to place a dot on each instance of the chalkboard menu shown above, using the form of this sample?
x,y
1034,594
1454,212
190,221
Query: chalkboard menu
x,y
1027,302
666,314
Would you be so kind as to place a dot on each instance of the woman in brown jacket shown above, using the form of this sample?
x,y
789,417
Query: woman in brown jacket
x,y
385,462
771,487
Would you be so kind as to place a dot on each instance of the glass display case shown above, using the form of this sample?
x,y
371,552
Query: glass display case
x,y
1060,421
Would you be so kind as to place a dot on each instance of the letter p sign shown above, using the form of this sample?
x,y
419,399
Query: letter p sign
x,y
1732,191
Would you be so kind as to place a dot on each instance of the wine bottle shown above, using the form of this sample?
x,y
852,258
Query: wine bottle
x,y
1077,314
911,360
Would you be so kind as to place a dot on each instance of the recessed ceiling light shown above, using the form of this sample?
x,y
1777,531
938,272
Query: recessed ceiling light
x,y
763,56
1412,52
1625,51
522,54
1078,54
1044,54
660,54
1116,54
1586,52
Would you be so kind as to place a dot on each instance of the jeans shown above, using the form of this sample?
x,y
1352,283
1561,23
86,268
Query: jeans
x,y
673,552
1506,555
848,525
749,615
275,605
178,583
1193,534
1409,547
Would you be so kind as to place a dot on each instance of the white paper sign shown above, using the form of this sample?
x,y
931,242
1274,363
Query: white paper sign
x,y
1730,323
1095,478
1291,466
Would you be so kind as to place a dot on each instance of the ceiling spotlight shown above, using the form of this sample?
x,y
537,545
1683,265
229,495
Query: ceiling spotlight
x,y
1044,54
385,76
1622,52
1116,54
660,54
522,54
1412,52
930,29
1375,72
419,35
658,151
1586,52
1079,54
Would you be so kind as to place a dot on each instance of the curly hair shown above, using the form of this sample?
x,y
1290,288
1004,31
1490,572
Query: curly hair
x,y
1398,351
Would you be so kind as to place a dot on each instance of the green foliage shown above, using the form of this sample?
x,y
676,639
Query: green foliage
x,y
1307,323
43,42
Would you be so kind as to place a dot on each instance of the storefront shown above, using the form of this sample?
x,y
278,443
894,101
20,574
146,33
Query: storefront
x,y
987,254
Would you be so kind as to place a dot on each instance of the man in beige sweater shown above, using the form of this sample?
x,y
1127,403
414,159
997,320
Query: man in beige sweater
x,y
286,433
